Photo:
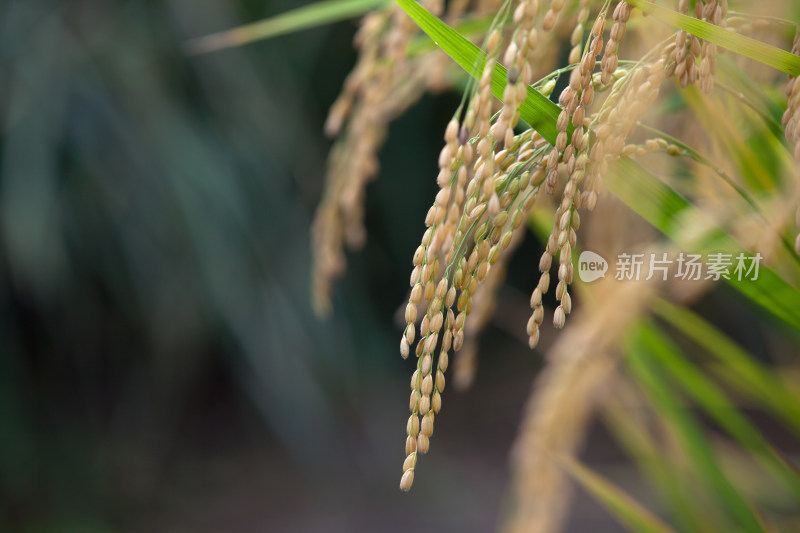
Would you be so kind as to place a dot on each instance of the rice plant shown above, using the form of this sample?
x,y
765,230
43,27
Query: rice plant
x,y
686,112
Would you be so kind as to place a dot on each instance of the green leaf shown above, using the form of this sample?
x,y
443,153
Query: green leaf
x,y
301,18
709,396
761,52
470,26
736,366
646,347
631,430
625,508
758,155
537,110
688,226
749,91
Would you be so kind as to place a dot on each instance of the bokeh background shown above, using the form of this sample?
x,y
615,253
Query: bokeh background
x,y
161,368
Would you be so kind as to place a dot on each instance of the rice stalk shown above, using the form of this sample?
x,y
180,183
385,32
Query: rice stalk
x,y
507,144
585,144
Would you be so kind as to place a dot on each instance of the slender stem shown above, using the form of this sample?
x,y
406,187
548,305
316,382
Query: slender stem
x,y
742,98
693,154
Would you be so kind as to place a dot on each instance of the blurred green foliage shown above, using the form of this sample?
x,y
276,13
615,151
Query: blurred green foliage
x,y
154,214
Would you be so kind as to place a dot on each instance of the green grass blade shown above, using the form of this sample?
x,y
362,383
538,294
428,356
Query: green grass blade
x,y
646,368
621,505
675,216
749,91
302,18
740,369
654,461
759,156
473,26
761,52
709,396
537,110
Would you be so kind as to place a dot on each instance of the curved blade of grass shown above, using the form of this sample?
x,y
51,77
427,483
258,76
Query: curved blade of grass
x,y
741,370
620,504
537,110
711,398
676,217
301,18
761,52
645,348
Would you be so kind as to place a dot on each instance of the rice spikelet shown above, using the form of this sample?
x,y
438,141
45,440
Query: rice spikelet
x,y
383,84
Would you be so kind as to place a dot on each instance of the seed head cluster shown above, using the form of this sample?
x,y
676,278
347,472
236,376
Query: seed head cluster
x,y
687,47
714,12
490,177
487,183
610,59
692,59
383,84
491,171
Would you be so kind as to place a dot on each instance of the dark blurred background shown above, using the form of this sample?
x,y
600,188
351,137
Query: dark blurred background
x,y
160,365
